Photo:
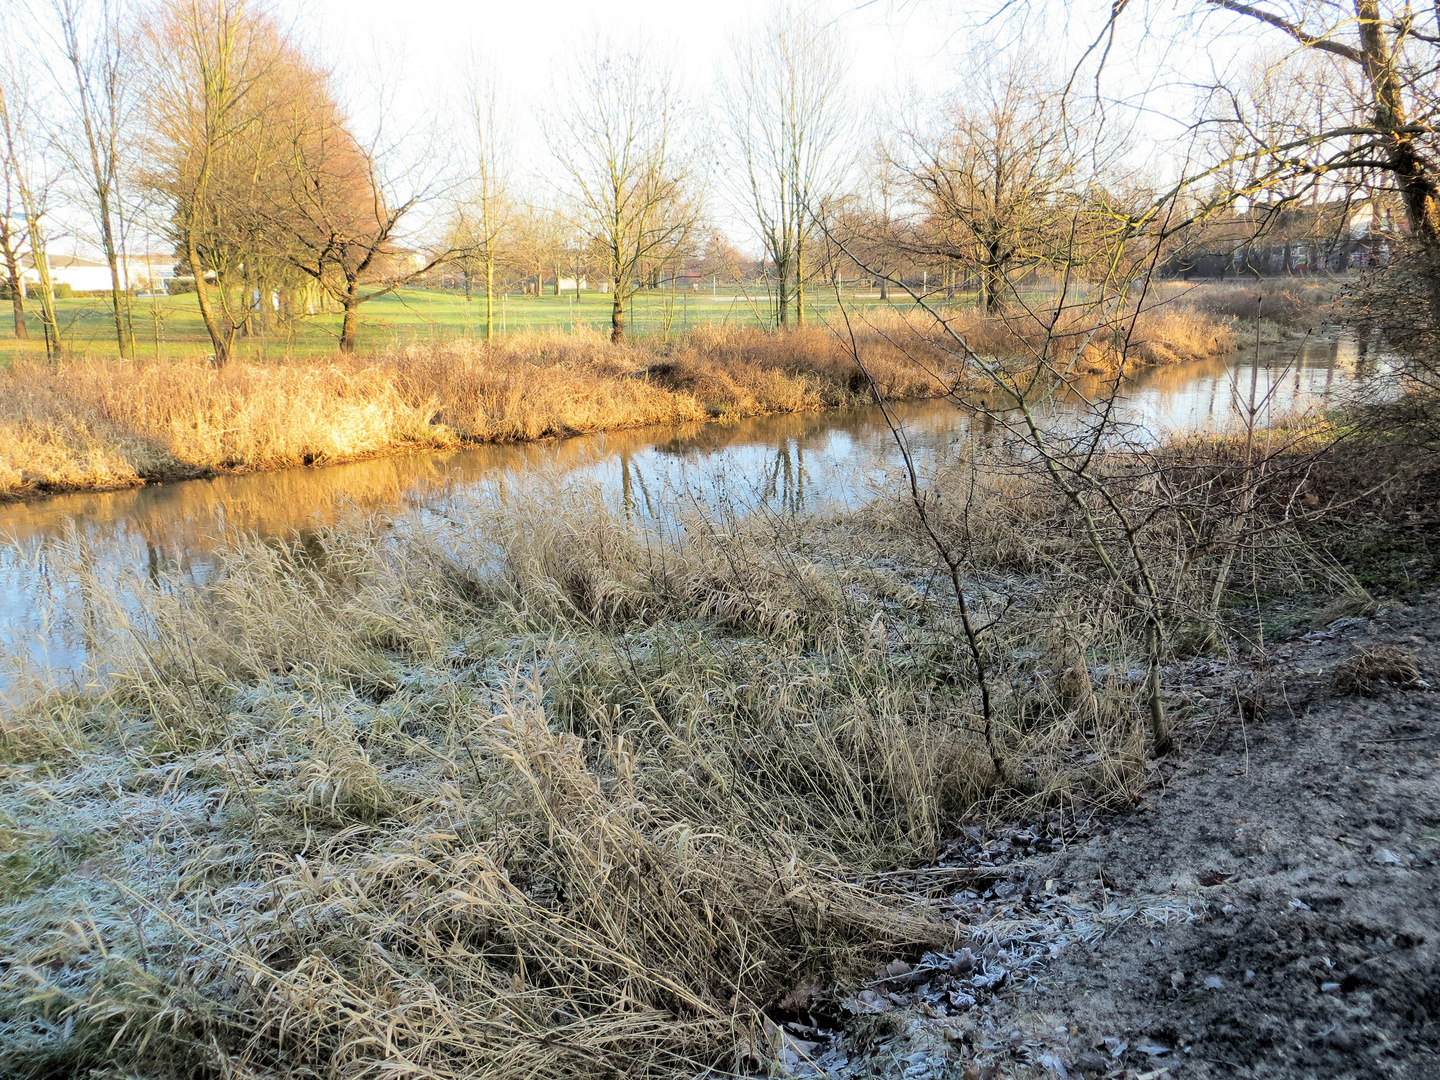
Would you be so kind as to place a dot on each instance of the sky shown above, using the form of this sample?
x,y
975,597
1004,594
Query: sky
x,y
529,42
902,52
896,53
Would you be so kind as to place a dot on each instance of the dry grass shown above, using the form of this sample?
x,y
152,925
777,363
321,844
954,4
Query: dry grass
x,y
1159,335
544,788
1375,668
1082,340
549,789
99,424
1291,304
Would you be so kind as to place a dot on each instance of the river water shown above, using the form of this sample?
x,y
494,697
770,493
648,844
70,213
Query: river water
x,y
793,463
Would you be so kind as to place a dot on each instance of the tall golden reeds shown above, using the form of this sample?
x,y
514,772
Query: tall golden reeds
x,y
548,785
91,424
546,788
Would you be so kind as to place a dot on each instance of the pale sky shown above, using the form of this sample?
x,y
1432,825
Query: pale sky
x,y
902,51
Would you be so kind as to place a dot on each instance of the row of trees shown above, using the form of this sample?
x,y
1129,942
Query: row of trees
x,y
205,122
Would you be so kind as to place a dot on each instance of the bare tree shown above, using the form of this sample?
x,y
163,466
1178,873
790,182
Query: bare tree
x,y
997,180
619,144
343,221
12,238
18,162
789,125
1392,54
489,210
93,43
208,59
870,219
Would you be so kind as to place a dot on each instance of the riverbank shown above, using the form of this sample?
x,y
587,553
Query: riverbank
x,y
1265,909
105,424
541,785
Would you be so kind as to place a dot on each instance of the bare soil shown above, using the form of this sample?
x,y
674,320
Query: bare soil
x,y
1269,909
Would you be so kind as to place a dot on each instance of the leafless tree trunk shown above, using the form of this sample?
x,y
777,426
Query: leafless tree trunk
x,y
205,58
790,127
16,160
996,182
101,105
618,145
10,238
490,165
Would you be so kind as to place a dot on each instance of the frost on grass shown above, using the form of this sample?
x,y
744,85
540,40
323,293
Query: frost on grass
x,y
542,789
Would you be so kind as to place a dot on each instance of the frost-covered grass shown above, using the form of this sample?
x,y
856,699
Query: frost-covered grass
x,y
534,790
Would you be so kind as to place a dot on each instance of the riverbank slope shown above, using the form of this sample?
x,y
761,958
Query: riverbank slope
x,y
98,424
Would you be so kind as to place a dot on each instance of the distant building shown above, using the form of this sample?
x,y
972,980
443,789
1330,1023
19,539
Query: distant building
x,y
1288,238
142,273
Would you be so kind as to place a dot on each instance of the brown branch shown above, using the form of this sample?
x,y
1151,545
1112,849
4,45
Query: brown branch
x,y
1297,32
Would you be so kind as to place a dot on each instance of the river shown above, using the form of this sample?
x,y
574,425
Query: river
x,y
799,462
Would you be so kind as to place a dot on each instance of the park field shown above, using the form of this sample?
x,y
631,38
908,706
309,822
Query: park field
x,y
169,327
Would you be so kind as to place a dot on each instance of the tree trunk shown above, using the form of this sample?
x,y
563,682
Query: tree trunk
x,y
247,292
1417,186
989,290
350,324
782,292
617,315
17,300
799,288
220,340
119,306
489,298
48,321
13,279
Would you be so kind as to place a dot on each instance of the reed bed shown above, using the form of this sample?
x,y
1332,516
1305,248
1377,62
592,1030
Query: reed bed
x,y
548,791
95,424
552,790
1287,303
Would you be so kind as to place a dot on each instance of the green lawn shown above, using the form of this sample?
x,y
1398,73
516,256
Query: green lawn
x,y
170,326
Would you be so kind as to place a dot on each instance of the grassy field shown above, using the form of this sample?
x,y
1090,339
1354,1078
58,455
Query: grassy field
x,y
169,327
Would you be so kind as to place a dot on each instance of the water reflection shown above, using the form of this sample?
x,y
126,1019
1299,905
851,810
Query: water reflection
x,y
789,463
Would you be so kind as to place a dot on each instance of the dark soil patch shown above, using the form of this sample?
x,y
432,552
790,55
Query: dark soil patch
x,y
1270,910
1312,834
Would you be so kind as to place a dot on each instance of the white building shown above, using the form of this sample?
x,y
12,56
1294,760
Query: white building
x,y
143,273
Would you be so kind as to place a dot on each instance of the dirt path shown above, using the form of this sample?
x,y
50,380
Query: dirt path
x,y
1271,909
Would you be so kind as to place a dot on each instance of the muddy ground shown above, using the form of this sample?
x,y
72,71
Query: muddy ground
x,y
1270,909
